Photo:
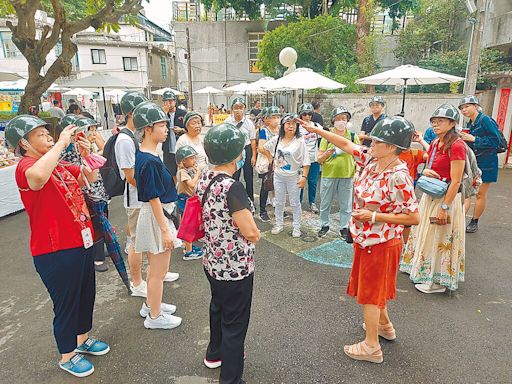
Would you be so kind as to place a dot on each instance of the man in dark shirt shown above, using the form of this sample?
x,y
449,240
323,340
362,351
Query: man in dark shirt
x,y
377,108
257,109
176,129
317,117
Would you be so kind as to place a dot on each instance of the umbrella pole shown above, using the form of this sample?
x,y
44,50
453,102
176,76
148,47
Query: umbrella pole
x,y
267,98
403,98
105,107
302,98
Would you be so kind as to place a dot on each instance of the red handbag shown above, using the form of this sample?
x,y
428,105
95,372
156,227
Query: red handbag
x,y
192,225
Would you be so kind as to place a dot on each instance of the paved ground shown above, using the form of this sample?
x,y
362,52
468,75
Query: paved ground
x,y
301,318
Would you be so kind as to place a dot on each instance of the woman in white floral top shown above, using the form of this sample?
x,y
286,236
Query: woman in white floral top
x,y
384,202
230,238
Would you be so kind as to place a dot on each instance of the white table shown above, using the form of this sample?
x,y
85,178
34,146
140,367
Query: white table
x,y
10,200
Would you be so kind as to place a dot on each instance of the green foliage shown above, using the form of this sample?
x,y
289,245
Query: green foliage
x,y
319,42
435,28
398,9
75,9
454,63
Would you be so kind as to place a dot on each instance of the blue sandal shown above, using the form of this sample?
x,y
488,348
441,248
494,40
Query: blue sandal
x,y
93,347
78,366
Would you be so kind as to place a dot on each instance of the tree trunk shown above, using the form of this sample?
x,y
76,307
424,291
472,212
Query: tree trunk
x,y
362,29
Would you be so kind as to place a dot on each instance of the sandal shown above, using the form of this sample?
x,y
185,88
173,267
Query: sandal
x,y
361,351
385,331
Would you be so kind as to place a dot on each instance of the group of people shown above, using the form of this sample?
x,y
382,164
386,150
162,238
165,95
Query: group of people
x,y
164,160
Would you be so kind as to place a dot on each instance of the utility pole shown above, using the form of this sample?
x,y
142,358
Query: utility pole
x,y
473,63
189,71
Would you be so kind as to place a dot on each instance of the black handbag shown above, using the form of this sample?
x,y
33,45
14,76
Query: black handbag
x,y
268,179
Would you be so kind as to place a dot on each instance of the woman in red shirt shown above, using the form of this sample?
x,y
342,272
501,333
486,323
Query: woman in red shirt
x,y
384,202
435,253
61,234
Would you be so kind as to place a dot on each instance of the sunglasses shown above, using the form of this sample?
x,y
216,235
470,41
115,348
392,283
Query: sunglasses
x,y
307,114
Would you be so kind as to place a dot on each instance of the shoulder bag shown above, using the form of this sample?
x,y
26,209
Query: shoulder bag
x,y
433,187
268,180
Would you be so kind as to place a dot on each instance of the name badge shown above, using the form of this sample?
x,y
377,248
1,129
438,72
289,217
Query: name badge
x,y
87,238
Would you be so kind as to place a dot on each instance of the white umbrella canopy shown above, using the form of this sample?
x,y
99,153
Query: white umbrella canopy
x,y
58,88
162,90
9,76
243,88
208,91
305,78
115,93
406,75
101,80
78,92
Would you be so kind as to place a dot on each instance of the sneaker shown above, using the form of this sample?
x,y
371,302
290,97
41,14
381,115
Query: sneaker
x,y
171,276
286,215
264,217
343,233
296,232
140,290
193,255
127,246
93,347
212,364
78,366
100,267
434,288
163,321
164,308
472,227
323,231
313,208
276,229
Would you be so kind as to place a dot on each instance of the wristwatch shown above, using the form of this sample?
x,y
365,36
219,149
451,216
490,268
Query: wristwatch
x,y
445,207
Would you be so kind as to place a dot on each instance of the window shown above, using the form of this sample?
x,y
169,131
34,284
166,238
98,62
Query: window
x,y
98,56
58,49
8,47
254,40
130,63
163,67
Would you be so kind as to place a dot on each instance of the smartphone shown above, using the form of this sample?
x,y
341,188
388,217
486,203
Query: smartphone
x,y
433,220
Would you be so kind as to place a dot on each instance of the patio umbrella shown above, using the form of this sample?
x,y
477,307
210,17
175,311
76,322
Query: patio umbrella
x,y
79,92
9,76
102,80
162,90
265,84
242,89
208,91
408,74
117,93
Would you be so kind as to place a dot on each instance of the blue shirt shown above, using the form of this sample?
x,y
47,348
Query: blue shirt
x,y
153,179
429,135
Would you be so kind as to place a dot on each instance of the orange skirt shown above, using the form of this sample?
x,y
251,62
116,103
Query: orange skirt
x,y
373,274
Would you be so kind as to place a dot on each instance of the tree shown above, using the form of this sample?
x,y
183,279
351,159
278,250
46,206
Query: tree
x,y
436,28
321,43
251,8
69,20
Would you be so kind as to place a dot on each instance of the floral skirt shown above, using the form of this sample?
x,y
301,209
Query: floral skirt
x,y
436,253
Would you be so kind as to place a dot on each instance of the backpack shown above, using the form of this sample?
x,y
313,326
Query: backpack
x,y
114,184
503,145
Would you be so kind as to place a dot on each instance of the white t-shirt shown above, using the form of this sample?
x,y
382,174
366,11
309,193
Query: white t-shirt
x,y
247,128
45,106
125,157
311,140
201,158
290,157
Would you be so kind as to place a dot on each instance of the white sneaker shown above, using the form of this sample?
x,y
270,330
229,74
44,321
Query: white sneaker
x,y
163,321
127,246
212,364
164,308
296,232
274,202
276,229
140,290
171,276
425,288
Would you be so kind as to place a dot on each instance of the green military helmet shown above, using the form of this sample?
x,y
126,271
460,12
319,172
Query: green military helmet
x,y
448,111
223,143
70,118
376,99
130,100
263,113
288,117
394,130
469,99
184,153
338,111
273,111
189,116
306,108
147,114
169,95
85,123
238,100
20,126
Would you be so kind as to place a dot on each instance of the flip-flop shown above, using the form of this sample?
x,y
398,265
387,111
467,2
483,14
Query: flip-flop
x,y
361,351
385,331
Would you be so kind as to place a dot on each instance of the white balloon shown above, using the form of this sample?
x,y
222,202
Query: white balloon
x,y
288,56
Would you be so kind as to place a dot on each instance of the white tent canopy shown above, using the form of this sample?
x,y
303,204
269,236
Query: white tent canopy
x,y
242,88
208,91
115,93
101,80
305,78
162,90
79,92
9,76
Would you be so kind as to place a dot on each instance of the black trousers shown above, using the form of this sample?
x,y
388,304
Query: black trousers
x,y
70,279
263,196
170,162
230,309
248,172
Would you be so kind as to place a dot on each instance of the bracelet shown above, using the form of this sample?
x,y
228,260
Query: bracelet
x,y
374,216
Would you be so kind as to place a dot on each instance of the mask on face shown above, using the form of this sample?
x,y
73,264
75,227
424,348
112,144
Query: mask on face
x,y
340,124
240,163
